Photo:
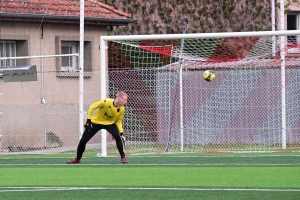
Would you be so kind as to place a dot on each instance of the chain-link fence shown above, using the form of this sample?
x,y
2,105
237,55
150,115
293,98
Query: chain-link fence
x,y
43,116
240,110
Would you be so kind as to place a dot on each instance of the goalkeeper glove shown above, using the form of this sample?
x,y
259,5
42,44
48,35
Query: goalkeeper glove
x,y
123,139
88,124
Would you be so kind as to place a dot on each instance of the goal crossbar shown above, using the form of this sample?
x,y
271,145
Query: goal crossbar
x,y
201,35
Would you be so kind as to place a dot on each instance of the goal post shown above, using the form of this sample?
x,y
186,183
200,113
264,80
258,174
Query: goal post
x,y
252,104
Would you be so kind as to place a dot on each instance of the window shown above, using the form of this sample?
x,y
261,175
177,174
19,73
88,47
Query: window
x,y
8,49
69,63
13,47
68,66
293,24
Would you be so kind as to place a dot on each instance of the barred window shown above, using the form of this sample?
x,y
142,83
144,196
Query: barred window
x,y
69,63
7,49
293,23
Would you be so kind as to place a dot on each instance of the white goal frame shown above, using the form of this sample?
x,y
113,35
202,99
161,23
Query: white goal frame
x,y
103,64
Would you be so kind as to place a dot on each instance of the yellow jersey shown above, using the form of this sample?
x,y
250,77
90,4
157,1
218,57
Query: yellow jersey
x,y
107,113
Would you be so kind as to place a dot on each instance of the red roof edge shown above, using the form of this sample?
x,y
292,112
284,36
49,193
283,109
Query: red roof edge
x,y
123,13
113,9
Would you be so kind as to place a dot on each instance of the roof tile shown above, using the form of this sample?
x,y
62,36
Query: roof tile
x,y
61,8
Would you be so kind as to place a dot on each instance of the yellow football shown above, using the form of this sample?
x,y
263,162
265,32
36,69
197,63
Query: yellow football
x,y
209,75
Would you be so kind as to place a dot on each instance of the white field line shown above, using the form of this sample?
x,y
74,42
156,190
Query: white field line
x,y
171,164
158,156
37,189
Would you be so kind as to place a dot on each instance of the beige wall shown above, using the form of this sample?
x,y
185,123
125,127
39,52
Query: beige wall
x,y
46,46
56,87
295,7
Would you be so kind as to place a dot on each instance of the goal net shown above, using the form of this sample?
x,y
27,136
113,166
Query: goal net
x,y
253,104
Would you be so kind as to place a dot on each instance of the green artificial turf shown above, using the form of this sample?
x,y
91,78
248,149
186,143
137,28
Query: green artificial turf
x,y
152,176
180,176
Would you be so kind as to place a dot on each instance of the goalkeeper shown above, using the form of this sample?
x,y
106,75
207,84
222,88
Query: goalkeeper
x,y
109,116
